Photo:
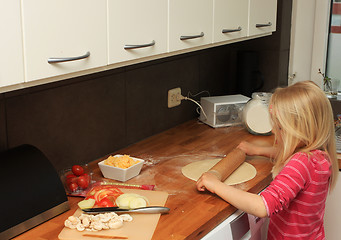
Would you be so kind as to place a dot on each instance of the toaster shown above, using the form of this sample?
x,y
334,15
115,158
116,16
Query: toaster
x,y
222,111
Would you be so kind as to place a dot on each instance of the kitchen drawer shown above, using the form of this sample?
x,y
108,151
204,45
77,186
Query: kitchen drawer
x,y
136,29
63,29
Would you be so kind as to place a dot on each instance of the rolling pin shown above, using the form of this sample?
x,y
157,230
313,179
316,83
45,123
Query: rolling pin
x,y
226,166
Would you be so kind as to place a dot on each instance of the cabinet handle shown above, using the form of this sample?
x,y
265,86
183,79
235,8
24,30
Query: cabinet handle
x,y
263,25
128,46
67,59
231,30
191,37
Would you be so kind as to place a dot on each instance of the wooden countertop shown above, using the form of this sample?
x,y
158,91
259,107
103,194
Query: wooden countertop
x,y
193,214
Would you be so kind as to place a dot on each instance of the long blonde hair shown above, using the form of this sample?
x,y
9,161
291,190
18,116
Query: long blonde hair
x,y
302,118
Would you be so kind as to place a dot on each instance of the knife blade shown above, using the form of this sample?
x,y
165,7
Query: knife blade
x,y
149,209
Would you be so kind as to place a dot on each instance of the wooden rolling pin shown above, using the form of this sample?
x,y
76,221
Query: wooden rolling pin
x,y
226,166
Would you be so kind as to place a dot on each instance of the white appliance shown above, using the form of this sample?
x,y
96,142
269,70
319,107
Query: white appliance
x,y
332,216
235,227
222,111
240,226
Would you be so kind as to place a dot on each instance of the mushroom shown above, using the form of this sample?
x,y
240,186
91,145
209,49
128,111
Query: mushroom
x,y
115,223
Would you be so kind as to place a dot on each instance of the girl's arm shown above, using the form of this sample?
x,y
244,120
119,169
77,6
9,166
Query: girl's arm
x,y
253,150
245,201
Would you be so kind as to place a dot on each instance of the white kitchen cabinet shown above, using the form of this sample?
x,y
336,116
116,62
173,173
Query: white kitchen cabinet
x,y
49,40
11,61
190,23
262,16
230,20
63,29
136,29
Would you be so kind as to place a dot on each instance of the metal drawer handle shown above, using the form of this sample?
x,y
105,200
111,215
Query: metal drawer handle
x,y
129,46
231,30
263,25
191,37
67,59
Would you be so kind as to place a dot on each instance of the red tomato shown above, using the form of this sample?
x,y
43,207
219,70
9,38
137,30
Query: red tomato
x,y
83,181
73,186
77,170
70,175
105,202
85,175
71,179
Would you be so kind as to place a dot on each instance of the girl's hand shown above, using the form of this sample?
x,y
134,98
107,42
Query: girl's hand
x,y
208,180
256,150
248,148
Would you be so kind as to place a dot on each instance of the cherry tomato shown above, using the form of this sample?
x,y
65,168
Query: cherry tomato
x,y
73,187
70,175
77,170
71,180
83,181
86,176
105,202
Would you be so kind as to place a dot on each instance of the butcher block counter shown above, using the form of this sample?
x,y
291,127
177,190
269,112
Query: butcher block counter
x,y
192,214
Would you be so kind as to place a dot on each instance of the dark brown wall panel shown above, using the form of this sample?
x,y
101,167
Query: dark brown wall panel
x,y
70,124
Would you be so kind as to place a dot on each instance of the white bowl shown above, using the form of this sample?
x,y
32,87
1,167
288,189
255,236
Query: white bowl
x,y
121,174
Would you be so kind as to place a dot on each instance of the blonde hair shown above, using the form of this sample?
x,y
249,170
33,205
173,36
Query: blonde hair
x,y
302,118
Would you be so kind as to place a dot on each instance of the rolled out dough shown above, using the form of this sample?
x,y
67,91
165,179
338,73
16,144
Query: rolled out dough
x,y
243,173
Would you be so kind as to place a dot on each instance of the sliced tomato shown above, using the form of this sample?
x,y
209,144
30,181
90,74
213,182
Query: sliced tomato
x,y
86,198
102,194
105,202
107,192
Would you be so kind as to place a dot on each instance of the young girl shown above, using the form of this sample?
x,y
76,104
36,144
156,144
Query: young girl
x,y
305,165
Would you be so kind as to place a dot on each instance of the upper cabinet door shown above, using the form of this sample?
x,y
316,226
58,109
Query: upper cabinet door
x,y
63,36
262,18
136,29
11,61
190,23
230,19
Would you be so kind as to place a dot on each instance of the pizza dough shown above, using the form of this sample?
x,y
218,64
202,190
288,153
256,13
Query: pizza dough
x,y
243,173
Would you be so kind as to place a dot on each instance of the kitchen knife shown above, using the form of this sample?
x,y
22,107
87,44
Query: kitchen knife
x,y
149,209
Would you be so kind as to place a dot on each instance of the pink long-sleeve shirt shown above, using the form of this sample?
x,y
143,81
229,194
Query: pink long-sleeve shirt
x,y
295,199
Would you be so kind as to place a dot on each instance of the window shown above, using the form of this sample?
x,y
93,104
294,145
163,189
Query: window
x,y
309,40
333,69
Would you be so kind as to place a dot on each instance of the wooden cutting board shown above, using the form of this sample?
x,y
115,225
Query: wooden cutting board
x,y
141,228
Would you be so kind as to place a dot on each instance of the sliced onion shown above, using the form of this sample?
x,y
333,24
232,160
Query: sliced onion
x,y
131,200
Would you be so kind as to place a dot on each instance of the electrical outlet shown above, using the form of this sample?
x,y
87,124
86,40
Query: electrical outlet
x,y
174,97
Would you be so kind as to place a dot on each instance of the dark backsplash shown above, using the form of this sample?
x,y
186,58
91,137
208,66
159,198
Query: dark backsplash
x,y
82,119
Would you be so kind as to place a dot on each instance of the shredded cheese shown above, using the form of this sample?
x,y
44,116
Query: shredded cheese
x,y
124,161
